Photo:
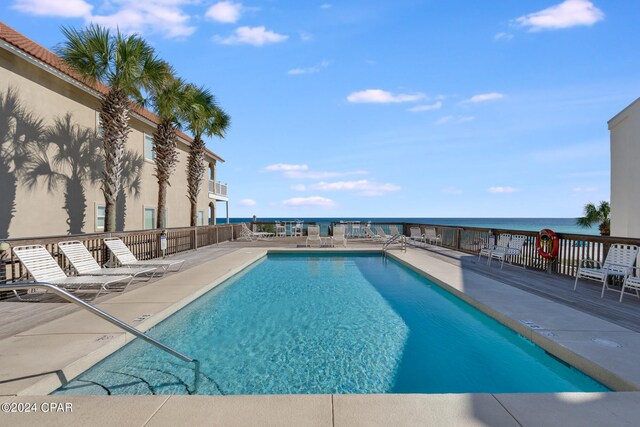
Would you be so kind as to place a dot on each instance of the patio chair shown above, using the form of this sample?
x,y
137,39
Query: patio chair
x,y
490,246
431,236
313,235
125,258
247,233
631,282
371,235
297,229
415,235
281,230
393,229
41,265
85,264
339,235
380,232
619,263
513,248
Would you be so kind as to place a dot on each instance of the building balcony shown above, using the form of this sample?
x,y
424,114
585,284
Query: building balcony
x,y
218,190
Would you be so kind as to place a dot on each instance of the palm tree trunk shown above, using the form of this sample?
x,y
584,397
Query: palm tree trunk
x,y
195,171
165,144
115,125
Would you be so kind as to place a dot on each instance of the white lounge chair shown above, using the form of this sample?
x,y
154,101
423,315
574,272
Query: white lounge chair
x,y
313,235
85,264
296,229
619,262
41,265
281,230
490,246
393,229
125,258
339,236
631,282
246,233
380,232
415,235
514,248
431,236
369,234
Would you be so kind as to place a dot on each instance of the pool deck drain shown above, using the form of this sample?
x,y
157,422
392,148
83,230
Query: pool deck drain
x,y
37,361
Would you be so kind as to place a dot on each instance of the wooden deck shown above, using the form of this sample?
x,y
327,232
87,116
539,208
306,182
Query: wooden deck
x,y
16,316
585,298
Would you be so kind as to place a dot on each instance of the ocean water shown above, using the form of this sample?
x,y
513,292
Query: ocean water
x,y
332,324
560,225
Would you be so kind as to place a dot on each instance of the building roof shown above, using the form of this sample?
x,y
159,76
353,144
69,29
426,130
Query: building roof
x,y
613,122
40,53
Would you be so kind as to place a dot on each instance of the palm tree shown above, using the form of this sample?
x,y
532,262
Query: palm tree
x,y
168,99
202,117
75,161
19,131
127,65
596,215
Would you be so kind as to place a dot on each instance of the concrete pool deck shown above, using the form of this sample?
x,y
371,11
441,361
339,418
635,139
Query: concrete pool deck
x,y
38,360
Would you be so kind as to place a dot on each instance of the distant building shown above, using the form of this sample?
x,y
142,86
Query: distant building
x,y
58,192
625,171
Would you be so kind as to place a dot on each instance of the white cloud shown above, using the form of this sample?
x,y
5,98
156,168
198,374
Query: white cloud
x,y
378,96
284,167
503,36
299,187
427,107
247,202
309,202
309,70
63,8
451,190
226,12
503,190
585,189
296,174
164,17
569,13
256,36
484,97
326,6
362,187
454,119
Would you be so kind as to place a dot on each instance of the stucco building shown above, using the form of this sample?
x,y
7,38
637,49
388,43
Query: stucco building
x,y
50,153
624,130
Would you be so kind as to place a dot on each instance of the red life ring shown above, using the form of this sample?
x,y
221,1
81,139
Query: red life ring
x,y
547,244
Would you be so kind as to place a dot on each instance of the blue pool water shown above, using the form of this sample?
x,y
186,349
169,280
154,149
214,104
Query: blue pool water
x,y
332,324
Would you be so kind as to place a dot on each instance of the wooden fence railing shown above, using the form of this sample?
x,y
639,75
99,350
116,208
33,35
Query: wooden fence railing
x,y
573,247
144,244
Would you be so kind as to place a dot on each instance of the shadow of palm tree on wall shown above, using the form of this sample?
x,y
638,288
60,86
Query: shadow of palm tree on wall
x,y
19,132
131,182
69,155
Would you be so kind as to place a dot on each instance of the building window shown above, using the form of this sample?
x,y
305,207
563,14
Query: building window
x,y
149,218
200,218
149,152
99,129
100,216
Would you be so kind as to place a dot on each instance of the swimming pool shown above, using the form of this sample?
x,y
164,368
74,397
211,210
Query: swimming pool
x,y
295,323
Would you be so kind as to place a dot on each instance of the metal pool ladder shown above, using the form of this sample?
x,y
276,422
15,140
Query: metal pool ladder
x,y
109,318
401,237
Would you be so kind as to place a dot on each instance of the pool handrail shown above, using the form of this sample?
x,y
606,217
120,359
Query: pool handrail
x,y
106,316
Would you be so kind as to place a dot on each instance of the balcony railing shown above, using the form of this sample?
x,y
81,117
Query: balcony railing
x,y
218,188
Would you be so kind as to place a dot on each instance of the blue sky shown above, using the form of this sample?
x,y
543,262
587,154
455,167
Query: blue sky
x,y
410,108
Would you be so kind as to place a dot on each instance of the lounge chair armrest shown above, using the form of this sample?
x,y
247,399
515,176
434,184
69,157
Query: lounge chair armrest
x,y
620,267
